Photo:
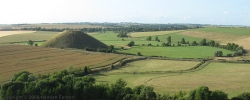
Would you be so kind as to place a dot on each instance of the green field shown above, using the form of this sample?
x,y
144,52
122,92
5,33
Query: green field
x,y
36,36
156,65
230,78
143,34
177,52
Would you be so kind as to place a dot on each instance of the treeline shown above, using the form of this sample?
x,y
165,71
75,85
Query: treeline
x,y
110,49
69,86
121,27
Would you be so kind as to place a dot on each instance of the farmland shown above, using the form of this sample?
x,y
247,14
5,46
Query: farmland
x,y
228,77
5,33
222,35
16,58
49,26
34,36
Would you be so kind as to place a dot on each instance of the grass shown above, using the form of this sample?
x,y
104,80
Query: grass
x,y
36,36
38,60
143,34
156,65
230,78
177,52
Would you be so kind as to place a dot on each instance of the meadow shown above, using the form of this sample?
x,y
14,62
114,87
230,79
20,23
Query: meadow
x,y
38,60
228,77
143,34
178,52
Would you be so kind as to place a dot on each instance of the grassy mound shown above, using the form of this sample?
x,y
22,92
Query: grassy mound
x,y
73,39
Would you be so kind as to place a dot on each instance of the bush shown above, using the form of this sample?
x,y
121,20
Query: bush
x,y
139,54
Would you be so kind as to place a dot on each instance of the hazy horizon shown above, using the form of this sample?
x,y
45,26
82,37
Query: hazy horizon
x,y
216,12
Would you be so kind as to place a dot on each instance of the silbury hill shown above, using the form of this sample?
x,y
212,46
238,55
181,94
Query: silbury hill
x,y
74,39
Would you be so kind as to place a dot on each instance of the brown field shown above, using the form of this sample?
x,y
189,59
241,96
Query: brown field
x,y
222,38
38,60
50,26
5,33
242,40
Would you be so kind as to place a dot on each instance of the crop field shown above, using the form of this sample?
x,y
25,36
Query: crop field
x,y
35,36
177,52
6,33
228,77
16,58
143,34
222,35
50,26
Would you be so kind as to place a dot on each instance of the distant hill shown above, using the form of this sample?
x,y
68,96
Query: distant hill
x,y
74,39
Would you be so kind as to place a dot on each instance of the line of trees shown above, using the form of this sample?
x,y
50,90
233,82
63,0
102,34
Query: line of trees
x,y
116,27
69,85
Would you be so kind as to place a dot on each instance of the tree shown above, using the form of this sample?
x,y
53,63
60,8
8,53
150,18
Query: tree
x,y
218,95
156,38
86,71
149,38
243,96
212,43
36,44
130,44
30,42
203,42
139,54
183,41
218,53
194,43
169,40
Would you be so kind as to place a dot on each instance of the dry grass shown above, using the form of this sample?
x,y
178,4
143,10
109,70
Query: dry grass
x,y
6,33
16,58
142,34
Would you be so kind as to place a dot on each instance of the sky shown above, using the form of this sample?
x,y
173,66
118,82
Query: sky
x,y
218,12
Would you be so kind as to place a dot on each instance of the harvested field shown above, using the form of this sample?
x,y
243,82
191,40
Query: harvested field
x,y
220,37
38,60
35,36
6,33
50,26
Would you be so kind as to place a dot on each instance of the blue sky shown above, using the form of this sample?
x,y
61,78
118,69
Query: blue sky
x,y
220,12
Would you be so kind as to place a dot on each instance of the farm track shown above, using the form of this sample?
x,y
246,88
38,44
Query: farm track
x,y
37,60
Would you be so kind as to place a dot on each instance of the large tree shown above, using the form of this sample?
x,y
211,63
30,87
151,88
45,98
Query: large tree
x,y
169,40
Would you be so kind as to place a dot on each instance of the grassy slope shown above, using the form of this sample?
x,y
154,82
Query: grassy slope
x,y
177,52
230,78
